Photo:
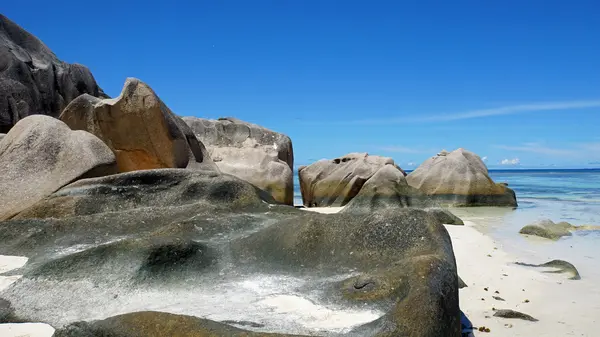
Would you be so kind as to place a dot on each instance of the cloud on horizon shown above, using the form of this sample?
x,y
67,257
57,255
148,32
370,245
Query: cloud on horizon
x,y
506,110
514,161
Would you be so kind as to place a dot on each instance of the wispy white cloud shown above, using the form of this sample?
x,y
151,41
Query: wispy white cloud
x,y
399,149
484,158
506,110
411,164
514,161
538,148
579,150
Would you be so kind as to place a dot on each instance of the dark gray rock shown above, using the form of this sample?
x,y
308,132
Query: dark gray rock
x,y
41,154
509,313
6,311
559,266
335,182
251,152
548,229
460,178
33,80
169,238
139,128
1,136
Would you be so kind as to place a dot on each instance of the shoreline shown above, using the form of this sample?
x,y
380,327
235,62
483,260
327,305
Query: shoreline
x,y
563,307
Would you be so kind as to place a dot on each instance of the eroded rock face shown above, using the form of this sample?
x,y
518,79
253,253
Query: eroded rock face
x,y
40,154
139,128
460,178
33,80
166,240
335,182
388,189
251,152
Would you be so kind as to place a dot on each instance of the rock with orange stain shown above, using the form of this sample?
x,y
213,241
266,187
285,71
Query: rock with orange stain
x,y
139,128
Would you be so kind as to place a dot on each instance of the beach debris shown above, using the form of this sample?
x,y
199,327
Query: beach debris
x,y
526,301
559,266
496,292
509,313
498,298
484,329
486,288
489,255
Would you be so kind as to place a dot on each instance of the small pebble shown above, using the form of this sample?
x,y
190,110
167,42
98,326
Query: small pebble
x,y
526,301
496,292
486,289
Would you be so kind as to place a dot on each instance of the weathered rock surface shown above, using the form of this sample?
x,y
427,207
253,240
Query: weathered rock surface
x,y
548,229
139,128
33,80
335,182
166,240
251,152
40,154
2,136
460,178
509,313
559,266
388,189
156,324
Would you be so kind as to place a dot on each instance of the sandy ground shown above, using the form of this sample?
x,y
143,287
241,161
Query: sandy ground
x,y
563,307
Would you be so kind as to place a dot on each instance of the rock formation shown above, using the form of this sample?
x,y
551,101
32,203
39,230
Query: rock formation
x,y
251,152
168,238
39,155
548,229
140,129
559,266
460,178
33,80
335,182
388,189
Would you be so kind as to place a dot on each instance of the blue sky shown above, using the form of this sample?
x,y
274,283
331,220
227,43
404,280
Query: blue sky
x,y
514,81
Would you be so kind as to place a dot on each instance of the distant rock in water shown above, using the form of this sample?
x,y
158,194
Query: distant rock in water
x,y
139,128
41,154
33,80
335,182
460,178
548,229
560,266
251,152
172,238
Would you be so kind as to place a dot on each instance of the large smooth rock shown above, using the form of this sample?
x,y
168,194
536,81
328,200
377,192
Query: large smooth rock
x,y
388,189
335,182
33,80
203,244
140,129
460,178
251,152
40,154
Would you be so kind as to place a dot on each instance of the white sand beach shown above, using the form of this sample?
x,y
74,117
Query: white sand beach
x,y
563,307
